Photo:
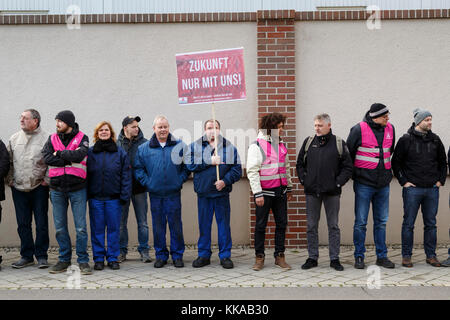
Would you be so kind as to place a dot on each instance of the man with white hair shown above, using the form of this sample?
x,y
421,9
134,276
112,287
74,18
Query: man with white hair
x,y
420,165
323,166
160,167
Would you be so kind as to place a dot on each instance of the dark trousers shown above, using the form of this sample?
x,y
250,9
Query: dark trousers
x,y
428,200
313,206
26,205
279,210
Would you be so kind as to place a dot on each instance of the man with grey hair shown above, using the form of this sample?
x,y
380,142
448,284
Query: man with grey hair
x,y
420,165
323,166
29,185
160,167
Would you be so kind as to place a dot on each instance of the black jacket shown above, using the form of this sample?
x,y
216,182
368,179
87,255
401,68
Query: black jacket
x,y
4,168
131,147
420,159
324,171
66,183
376,178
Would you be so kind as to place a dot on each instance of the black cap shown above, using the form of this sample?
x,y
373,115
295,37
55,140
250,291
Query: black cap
x,y
67,117
378,110
130,119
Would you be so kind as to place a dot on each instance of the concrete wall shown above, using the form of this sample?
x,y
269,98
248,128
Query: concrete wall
x,y
342,68
105,72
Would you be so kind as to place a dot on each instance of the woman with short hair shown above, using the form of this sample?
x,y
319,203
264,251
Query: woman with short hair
x,y
109,186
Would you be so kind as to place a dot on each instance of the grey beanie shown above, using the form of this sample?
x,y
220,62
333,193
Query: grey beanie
x,y
420,115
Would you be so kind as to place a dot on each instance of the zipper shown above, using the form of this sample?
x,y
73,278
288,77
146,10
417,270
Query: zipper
x,y
103,171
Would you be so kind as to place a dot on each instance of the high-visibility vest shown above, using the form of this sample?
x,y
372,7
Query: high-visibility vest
x,y
75,169
368,154
273,172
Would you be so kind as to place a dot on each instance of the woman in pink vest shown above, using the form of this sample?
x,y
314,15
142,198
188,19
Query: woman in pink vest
x,y
270,180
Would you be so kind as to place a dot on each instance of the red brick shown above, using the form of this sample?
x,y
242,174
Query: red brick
x,y
276,35
285,53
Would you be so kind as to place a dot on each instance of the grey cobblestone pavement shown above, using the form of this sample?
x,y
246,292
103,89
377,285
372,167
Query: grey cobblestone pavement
x,y
135,274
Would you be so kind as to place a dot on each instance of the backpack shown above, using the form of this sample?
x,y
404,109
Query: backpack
x,y
339,145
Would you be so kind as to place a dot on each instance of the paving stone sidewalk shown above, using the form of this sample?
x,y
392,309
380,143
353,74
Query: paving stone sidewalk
x,y
135,274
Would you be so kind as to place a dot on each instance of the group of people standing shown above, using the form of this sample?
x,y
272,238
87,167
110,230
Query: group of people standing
x,y
115,172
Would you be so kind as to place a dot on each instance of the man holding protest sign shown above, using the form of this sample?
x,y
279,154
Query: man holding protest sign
x,y
212,193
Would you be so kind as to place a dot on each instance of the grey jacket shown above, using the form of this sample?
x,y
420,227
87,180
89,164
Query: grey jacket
x,y
28,168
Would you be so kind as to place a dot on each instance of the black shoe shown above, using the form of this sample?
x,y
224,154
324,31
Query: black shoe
x,y
200,262
385,263
60,267
22,263
336,265
226,263
85,268
310,263
178,263
359,263
99,265
160,263
114,265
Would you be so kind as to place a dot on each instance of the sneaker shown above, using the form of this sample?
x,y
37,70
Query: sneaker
x,y
159,263
446,263
42,263
385,263
310,263
200,262
433,262
85,268
114,265
336,265
359,263
226,263
145,257
178,263
281,262
59,267
259,262
122,257
406,262
22,263
99,266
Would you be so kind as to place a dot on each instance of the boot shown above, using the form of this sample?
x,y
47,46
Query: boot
x,y
259,262
281,262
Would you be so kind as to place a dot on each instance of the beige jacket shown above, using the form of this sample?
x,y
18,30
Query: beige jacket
x,y
28,169
254,161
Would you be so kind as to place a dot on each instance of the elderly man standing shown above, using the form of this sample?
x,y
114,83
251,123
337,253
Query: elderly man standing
x,y
213,195
371,143
420,165
323,166
29,186
160,167
65,152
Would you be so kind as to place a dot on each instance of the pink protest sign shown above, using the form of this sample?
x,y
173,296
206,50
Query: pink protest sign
x,y
211,76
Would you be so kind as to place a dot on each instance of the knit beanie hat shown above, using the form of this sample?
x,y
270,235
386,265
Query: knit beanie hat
x,y
420,115
67,117
378,110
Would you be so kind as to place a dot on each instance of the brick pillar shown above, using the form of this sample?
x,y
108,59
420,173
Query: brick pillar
x,y
276,93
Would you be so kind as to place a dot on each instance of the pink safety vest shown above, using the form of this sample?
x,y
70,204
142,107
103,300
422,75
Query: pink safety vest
x,y
273,172
368,154
75,169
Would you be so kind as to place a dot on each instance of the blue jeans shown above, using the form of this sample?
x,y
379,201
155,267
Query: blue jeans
x,y
167,210
60,201
140,209
428,200
105,214
207,207
29,204
379,197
